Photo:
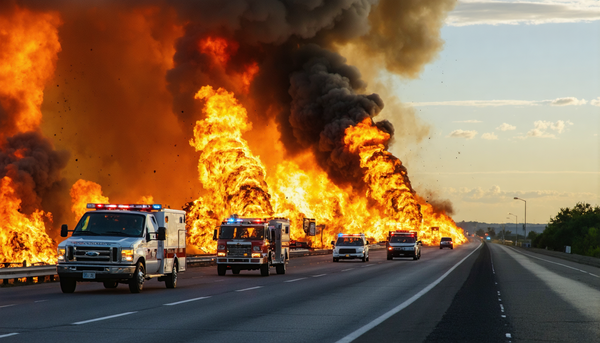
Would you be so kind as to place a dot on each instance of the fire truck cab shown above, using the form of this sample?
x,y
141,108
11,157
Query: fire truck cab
x,y
403,243
253,244
128,244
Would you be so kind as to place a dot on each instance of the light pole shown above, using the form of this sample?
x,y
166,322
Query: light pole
x,y
516,227
525,222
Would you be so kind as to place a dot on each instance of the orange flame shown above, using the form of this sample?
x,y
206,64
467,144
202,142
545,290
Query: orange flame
x,y
218,48
22,237
84,192
248,76
234,177
27,61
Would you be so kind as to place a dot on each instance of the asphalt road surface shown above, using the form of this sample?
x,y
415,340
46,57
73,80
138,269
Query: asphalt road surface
x,y
474,293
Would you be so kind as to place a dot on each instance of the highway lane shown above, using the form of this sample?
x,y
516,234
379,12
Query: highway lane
x,y
316,300
547,299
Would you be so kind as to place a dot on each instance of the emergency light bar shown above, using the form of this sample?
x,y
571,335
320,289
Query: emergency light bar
x,y
135,207
350,235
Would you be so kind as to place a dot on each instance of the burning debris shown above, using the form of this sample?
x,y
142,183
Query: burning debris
x,y
279,122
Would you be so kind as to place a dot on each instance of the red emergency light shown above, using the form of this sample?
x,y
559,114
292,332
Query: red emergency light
x,y
134,207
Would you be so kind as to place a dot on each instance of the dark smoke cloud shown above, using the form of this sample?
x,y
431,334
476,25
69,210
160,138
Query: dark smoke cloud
x,y
30,160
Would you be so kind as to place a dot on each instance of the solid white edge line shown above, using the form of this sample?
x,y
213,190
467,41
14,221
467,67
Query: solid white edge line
x,y
185,301
3,306
248,289
103,318
9,334
354,335
542,259
294,280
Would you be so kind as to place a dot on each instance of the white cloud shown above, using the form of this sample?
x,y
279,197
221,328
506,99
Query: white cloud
x,y
473,121
566,101
483,12
463,134
595,102
489,136
506,127
542,127
496,195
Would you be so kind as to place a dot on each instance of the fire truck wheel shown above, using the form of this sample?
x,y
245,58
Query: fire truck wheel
x,y
235,270
110,284
264,269
280,268
67,285
136,283
171,281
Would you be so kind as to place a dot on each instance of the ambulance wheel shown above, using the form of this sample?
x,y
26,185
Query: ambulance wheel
x,y
136,283
221,269
171,281
110,284
335,259
416,257
235,270
67,285
264,269
364,259
280,268
367,258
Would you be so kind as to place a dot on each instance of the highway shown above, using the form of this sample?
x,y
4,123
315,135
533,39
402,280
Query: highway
x,y
474,293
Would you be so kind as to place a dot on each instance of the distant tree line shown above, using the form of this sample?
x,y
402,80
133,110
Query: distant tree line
x,y
577,227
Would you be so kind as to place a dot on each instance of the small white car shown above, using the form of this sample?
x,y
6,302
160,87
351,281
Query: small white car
x,y
350,246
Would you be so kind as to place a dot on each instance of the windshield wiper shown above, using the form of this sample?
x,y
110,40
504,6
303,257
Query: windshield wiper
x,y
117,233
76,233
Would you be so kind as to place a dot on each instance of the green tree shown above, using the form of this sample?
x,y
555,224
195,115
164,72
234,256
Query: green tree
x,y
532,235
480,232
491,232
576,227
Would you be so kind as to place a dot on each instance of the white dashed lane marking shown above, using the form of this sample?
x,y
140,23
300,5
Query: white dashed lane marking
x,y
345,270
294,280
319,275
248,289
185,301
7,305
104,318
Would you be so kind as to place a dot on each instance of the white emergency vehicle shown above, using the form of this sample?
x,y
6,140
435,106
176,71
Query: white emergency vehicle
x,y
350,246
128,244
403,243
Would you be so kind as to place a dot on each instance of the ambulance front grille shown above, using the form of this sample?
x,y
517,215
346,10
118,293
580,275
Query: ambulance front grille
x,y
95,254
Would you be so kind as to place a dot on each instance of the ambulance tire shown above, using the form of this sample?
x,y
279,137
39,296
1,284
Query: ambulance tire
x,y
221,269
235,270
67,285
364,259
416,257
280,268
136,283
264,269
171,280
335,259
110,284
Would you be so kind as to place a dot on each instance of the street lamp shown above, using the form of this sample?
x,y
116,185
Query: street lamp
x,y
516,227
525,222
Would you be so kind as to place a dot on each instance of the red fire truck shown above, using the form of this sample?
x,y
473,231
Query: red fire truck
x,y
252,243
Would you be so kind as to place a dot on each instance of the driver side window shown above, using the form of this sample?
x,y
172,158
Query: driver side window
x,y
152,228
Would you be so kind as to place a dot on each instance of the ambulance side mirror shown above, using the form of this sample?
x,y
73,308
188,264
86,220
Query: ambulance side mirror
x,y
64,230
215,235
162,234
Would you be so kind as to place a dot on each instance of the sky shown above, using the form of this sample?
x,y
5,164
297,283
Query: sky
x,y
512,104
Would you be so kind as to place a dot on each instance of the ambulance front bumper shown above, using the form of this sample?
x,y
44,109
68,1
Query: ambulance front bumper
x,y
241,260
82,272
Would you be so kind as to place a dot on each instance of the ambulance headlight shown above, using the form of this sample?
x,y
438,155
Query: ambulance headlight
x,y
256,255
127,255
61,254
256,248
221,253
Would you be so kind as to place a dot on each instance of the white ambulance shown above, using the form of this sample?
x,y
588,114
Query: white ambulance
x,y
118,243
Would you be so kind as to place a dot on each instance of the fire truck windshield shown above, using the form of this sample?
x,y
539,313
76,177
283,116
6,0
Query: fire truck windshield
x,y
402,239
110,224
352,241
241,232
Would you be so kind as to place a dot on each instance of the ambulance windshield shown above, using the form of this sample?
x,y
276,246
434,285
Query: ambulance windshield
x,y
241,232
110,224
